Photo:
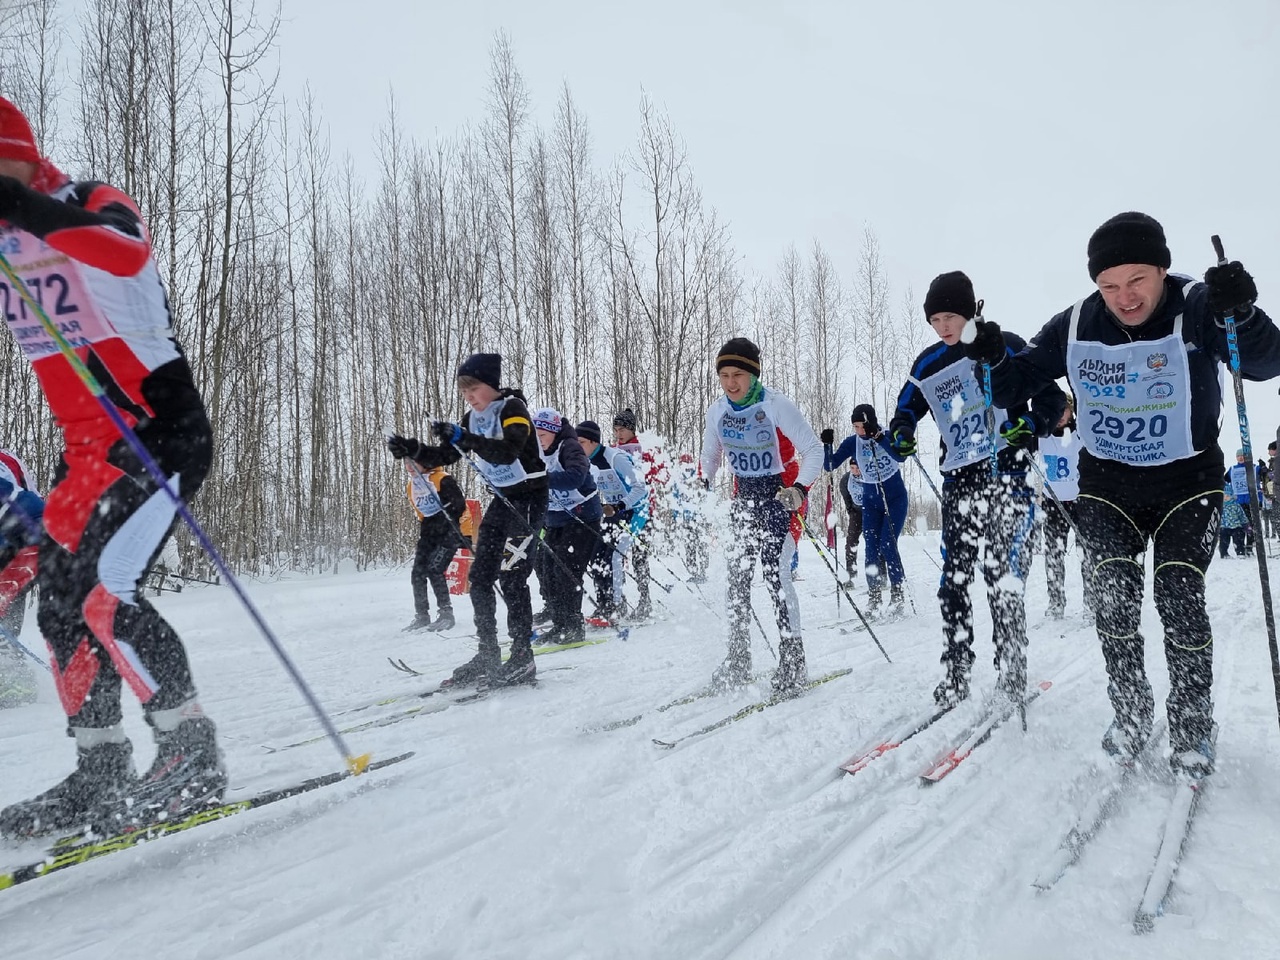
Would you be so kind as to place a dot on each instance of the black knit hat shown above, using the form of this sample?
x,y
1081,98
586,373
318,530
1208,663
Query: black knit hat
x,y
951,293
590,430
485,367
626,420
741,353
864,413
1128,238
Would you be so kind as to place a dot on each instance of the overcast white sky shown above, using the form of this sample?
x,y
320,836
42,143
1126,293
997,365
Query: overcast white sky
x,y
984,135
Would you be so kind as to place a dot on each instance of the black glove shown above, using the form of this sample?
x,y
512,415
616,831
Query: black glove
x,y
404,446
1018,433
903,443
827,436
872,429
10,193
1231,289
448,433
988,344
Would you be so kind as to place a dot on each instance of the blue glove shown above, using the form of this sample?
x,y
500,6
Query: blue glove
x,y
903,443
1018,433
639,519
449,433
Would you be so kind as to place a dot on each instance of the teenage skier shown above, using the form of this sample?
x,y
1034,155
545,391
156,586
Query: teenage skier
x,y
84,248
651,464
976,505
884,505
573,524
761,434
1060,455
1143,356
625,503
439,503
498,430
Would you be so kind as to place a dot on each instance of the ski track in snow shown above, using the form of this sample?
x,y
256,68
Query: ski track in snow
x,y
514,833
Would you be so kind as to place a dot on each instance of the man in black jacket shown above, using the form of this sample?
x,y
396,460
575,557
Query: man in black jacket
x,y
1142,355
499,431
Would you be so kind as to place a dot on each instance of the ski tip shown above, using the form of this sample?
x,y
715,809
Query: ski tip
x,y
358,765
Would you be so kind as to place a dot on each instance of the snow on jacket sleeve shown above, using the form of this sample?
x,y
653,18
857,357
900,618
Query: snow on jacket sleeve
x,y
788,418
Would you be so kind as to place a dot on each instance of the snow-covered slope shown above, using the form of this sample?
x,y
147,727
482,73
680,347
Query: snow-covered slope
x,y
514,833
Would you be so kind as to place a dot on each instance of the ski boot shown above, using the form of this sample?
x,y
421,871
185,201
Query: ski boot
x,y
422,621
520,668
187,774
1057,611
1124,740
103,777
897,608
954,687
791,676
542,617
486,663
442,622
874,595
734,672
1194,761
643,610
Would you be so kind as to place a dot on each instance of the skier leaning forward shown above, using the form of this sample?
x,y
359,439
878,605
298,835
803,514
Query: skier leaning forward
x,y
1142,355
760,433
975,504
84,246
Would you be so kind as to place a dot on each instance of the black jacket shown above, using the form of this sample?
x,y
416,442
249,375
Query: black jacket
x,y
1044,360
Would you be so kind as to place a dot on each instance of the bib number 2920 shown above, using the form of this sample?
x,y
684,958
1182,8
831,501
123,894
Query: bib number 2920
x,y
1129,429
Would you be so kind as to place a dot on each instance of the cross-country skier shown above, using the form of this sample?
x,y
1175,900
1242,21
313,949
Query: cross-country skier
x,y
651,465
687,493
851,493
1060,455
498,430
1143,356
21,509
625,502
573,524
976,506
884,505
439,503
759,432
83,249
1234,523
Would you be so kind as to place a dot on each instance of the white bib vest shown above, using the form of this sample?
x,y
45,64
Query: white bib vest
x,y
955,398
1134,399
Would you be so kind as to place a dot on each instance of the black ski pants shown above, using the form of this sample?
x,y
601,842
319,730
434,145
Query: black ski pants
x,y
855,531
1001,511
566,551
1056,528
437,544
505,545
1182,529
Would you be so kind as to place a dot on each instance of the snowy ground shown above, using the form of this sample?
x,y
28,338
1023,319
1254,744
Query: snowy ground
x,y
515,834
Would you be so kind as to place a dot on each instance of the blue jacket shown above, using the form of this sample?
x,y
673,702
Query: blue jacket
x,y
574,474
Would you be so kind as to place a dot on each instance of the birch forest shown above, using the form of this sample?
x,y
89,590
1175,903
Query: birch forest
x,y
322,306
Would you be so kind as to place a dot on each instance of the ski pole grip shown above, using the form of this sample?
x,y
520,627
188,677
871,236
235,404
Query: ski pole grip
x,y
1217,248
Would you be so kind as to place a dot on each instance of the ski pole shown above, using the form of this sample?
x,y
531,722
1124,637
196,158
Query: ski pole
x,y
355,764
8,636
927,478
845,587
1237,380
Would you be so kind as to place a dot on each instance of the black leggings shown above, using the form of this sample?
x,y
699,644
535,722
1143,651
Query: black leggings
x,y
855,531
437,543
1182,530
505,545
